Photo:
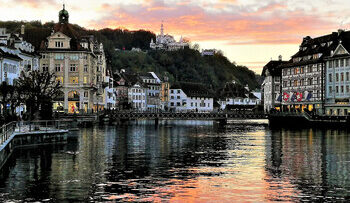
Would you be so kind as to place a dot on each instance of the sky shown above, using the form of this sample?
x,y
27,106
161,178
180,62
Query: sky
x,y
249,32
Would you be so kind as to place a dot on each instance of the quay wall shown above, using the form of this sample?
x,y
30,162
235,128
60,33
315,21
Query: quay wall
x,y
30,139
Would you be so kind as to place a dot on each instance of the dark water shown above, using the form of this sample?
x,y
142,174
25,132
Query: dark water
x,y
183,163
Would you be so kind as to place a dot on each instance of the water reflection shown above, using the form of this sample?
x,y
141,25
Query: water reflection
x,y
183,161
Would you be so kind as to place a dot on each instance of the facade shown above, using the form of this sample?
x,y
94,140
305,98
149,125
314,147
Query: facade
x,y
110,92
190,97
164,94
338,79
9,67
79,64
272,87
153,84
167,42
234,95
304,76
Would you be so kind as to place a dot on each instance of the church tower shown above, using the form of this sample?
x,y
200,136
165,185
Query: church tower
x,y
63,16
162,29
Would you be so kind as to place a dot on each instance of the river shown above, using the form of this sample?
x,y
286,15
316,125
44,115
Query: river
x,y
183,161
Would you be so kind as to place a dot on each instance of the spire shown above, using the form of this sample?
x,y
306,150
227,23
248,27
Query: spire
x,y
162,29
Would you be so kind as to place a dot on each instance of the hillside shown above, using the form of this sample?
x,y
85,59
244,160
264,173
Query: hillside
x,y
182,65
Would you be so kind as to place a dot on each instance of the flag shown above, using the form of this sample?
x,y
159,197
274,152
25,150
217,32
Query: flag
x,y
279,98
299,96
285,96
309,96
293,97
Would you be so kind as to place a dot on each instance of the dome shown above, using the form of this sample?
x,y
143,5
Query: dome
x,y
63,15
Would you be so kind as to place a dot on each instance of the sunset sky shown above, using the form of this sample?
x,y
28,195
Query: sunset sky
x,y
250,32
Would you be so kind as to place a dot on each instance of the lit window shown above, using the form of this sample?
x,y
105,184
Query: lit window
x,y
74,80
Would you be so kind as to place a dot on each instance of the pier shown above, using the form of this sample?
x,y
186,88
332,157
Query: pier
x,y
19,134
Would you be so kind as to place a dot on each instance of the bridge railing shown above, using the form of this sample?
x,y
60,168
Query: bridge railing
x,y
6,131
9,129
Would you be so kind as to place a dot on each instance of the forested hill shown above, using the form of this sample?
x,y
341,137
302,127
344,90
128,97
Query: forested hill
x,y
182,65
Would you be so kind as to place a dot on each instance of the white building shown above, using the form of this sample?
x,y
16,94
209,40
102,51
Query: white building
x,y
9,67
272,86
167,42
110,93
190,97
153,83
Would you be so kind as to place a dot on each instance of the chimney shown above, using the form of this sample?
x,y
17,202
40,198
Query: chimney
x,y
280,57
22,30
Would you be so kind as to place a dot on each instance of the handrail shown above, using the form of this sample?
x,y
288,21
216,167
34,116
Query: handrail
x,y
6,131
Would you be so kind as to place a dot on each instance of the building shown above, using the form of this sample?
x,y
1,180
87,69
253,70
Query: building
x,y
78,63
303,77
167,42
337,76
236,96
185,97
9,67
272,87
110,92
164,94
15,44
208,52
153,83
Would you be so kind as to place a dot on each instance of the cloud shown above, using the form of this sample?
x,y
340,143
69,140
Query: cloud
x,y
272,23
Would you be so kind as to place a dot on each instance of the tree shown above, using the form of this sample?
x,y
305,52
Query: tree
x,y
7,92
38,91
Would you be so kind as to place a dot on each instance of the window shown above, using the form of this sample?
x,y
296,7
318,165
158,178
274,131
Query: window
x,y
336,89
330,77
347,89
330,64
341,62
86,80
342,89
178,97
45,67
172,104
342,77
74,57
58,67
85,68
74,80
337,77
59,79
302,70
178,91
330,89
178,104
44,56
86,94
310,81
59,44
172,91
172,97
295,83
73,67
302,82
347,62
59,56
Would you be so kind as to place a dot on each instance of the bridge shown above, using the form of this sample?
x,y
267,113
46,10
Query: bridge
x,y
222,117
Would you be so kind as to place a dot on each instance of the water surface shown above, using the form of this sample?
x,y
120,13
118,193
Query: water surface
x,y
183,161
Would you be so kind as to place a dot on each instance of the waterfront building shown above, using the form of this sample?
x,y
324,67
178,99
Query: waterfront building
x,y
110,92
164,94
303,77
153,83
235,96
167,42
9,67
78,63
193,97
15,44
272,87
338,77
